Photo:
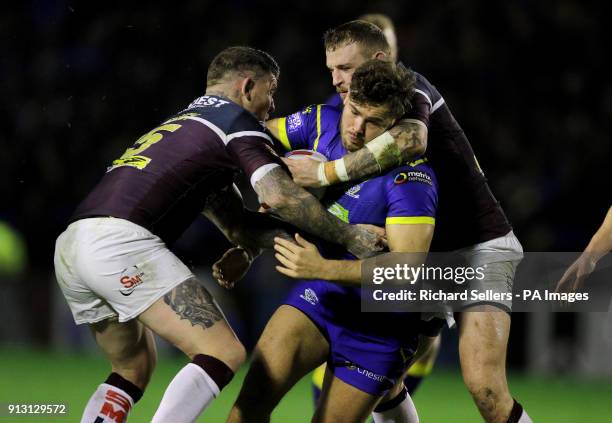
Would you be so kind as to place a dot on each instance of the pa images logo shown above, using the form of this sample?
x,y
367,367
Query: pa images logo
x,y
130,279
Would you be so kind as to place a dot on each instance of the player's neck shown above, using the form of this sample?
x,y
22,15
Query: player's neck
x,y
224,90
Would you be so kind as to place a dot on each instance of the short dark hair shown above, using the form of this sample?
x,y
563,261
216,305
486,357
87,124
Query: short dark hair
x,y
380,83
241,59
366,34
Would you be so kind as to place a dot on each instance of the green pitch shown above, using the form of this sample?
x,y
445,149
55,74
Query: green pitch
x,y
45,377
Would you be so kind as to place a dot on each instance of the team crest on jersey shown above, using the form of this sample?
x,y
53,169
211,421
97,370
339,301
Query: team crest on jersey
x,y
310,296
294,121
353,191
412,176
130,279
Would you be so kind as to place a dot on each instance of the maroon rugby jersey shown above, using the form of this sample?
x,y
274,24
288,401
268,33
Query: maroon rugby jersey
x,y
468,213
162,181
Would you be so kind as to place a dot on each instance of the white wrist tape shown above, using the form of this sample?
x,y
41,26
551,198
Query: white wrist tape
x,y
379,145
341,170
321,174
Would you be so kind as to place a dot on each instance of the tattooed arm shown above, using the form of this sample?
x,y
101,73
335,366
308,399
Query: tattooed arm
x,y
404,141
409,141
300,208
250,230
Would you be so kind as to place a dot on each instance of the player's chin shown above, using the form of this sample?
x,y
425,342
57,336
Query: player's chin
x,y
353,145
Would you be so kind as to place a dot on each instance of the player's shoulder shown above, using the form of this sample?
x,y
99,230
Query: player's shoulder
x,y
228,116
428,90
314,117
418,171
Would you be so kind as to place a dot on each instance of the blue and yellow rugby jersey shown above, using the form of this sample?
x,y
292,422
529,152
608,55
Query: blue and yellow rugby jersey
x,y
404,195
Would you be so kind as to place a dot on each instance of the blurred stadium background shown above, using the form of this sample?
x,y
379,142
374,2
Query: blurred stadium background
x,y
528,81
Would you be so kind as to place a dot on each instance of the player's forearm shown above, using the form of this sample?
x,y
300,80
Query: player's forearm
x,y
601,243
344,271
257,231
403,142
300,208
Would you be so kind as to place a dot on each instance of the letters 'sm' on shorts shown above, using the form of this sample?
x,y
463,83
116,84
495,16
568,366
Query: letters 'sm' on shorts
x,y
108,267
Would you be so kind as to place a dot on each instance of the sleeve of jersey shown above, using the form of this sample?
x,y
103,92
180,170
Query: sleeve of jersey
x,y
413,198
296,131
421,108
251,149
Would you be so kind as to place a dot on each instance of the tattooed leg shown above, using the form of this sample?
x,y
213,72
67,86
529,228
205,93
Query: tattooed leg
x,y
190,319
192,302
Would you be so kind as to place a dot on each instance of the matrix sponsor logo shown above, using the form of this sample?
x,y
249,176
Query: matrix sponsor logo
x,y
412,176
130,279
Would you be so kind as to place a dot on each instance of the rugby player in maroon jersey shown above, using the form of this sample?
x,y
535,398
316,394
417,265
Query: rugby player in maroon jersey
x,y
113,263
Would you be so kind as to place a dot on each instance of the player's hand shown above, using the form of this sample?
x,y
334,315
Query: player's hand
x,y
299,259
367,241
231,267
381,232
576,274
304,172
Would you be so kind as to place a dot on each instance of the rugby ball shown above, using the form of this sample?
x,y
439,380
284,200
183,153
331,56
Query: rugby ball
x,y
315,155
302,154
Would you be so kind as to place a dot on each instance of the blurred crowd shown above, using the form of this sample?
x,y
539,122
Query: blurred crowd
x,y
80,82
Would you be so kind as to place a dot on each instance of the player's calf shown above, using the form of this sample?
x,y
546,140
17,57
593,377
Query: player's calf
x,y
130,348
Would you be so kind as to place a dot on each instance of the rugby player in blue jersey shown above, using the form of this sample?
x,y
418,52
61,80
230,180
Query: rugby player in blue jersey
x,y
469,219
424,366
322,321
113,262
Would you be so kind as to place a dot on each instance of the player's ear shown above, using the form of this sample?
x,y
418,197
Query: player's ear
x,y
380,55
246,87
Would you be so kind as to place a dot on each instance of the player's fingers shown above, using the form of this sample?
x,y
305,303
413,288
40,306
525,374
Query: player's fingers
x,y
578,282
285,252
301,241
289,245
285,262
285,271
289,162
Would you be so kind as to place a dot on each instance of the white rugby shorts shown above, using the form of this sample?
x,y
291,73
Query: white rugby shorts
x,y
500,258
108,267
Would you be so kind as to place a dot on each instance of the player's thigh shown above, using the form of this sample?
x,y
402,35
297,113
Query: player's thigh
x,y
343,403
189,318
483,340
289,347
129,346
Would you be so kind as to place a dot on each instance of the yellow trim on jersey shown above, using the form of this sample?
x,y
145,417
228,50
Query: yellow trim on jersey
x,y
316,143
412,220
318,375
282,133
418,162
420,369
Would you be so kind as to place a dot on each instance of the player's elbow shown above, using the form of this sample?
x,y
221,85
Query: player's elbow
x,y
278,201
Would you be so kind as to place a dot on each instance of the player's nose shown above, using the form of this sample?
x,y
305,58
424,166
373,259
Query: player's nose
x,y
336,78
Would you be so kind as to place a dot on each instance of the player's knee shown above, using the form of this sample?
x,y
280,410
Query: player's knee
x,y
486,389
138,371
231,352
235,356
